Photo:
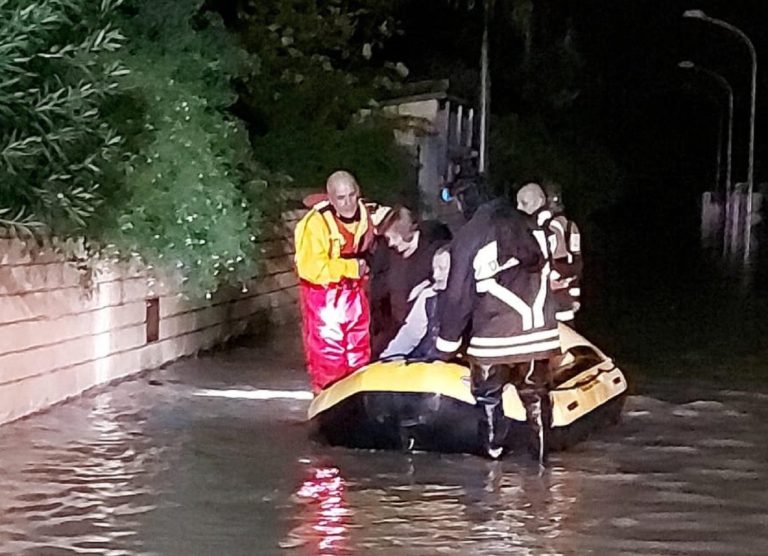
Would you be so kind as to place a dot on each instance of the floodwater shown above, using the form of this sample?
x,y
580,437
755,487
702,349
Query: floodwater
x,y
151,466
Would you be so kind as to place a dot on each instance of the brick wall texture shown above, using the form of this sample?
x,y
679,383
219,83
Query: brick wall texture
x,y
59,338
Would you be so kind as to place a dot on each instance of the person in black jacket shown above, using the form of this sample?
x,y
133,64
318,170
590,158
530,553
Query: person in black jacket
x,y
498,287
402,259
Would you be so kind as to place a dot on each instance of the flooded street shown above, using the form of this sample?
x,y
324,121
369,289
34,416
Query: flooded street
x,y
192,460
152,467
424,180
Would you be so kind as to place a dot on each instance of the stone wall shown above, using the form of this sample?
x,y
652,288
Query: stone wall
x,y
59,337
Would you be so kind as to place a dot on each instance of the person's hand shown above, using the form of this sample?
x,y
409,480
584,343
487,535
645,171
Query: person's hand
x,y
560,283
432,354
435,354
362,267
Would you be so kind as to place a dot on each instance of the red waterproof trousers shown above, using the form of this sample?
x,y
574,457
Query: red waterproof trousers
x,y
336,322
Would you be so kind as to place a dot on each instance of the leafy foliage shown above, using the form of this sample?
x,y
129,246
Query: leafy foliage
x,y
191,193
385,171
54,139
319,64
129,136
319,61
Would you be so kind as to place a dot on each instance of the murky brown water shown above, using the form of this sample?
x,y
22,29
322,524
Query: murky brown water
x,y
157,469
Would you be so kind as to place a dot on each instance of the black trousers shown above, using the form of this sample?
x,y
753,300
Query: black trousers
x,y
532,381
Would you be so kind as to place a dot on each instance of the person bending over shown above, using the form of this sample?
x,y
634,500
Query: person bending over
x,y
403,259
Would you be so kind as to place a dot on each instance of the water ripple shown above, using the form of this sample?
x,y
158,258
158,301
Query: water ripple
x,y
155,470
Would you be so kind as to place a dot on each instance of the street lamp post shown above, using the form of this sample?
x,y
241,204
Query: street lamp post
x,y
687,64
699,14
485,92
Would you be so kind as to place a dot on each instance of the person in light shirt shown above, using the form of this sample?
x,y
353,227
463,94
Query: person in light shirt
x,y
417,335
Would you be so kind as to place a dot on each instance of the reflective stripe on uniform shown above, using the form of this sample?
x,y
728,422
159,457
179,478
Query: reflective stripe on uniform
x,y
565,316
486,262
508,297
524,349
447,346
480,341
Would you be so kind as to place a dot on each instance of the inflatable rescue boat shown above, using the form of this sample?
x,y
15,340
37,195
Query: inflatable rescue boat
x,y
428,406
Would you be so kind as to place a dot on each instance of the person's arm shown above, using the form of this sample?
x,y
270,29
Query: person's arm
x,y
380,259
412,331
381,313
312,259
567,259
457,301
399,304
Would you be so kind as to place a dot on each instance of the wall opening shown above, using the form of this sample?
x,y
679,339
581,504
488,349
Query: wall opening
x,y
153,319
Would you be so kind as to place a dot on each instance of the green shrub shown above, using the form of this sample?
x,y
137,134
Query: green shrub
x,y
319,64
54,140
191,195
384,170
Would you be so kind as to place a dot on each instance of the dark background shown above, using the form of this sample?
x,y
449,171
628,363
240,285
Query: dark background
x,y
660,122
652,298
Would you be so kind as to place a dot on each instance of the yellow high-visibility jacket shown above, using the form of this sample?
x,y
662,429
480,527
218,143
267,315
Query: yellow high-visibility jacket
x,y
319,244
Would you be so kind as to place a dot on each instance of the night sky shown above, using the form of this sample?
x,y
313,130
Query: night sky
x,y
659,121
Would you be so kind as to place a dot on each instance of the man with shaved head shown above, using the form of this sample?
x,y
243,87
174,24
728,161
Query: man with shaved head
x,y
531,198
331,242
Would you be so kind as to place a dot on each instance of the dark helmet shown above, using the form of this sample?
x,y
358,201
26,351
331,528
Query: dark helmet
x,y
554,194
469,193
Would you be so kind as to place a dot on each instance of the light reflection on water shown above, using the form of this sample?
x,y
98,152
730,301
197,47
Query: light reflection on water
x,y
146,469
81,493
323,518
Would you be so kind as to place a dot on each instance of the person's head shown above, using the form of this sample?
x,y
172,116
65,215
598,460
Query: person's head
x,y
554,197
343,193
531,198
441,267
399,228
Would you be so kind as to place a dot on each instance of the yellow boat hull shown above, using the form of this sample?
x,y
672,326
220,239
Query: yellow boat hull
x,y
429,405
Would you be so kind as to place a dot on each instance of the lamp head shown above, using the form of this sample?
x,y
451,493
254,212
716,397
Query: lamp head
x,y
686,64
698,14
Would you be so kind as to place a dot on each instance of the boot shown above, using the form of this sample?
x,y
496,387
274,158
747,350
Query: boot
x,y
493,430
538,410
487,387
